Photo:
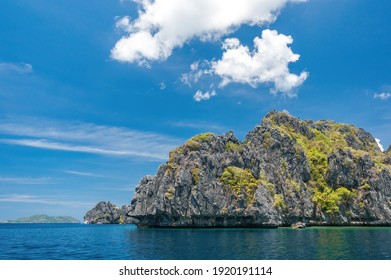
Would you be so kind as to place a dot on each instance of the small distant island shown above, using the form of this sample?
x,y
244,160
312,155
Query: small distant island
x,y
43,219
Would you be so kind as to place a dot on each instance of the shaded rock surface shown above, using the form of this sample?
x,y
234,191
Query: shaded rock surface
x,y
108,213
285,171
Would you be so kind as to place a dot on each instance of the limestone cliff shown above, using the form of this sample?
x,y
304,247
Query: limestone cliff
x,y
285,171
108,213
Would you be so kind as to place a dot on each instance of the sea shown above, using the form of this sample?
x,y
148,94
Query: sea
x,y
127,242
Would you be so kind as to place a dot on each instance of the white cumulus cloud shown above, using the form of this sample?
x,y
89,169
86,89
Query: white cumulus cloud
x,y
200,96
267,63
163,25
382,96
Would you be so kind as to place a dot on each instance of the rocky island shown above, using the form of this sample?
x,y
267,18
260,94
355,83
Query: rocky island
x,y
286,171
108,213
44,219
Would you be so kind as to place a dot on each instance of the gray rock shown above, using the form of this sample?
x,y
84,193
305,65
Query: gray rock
x,y
108,213
298,225
285,171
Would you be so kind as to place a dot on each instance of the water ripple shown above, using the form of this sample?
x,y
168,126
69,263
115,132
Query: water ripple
x,y
127,242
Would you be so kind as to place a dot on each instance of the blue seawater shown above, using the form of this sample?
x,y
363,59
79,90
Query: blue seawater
x,y
93,242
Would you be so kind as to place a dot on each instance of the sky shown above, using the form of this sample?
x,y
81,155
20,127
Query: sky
x,y
93,95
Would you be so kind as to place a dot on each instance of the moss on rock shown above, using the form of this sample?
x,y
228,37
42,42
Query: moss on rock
x,y
204,137
241,183
231,146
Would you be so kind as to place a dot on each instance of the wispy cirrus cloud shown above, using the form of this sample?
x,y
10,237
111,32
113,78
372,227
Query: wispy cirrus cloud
x,y
83,174
198,69
205,126
111,188
18,67
51,145
382,96
86,138
26,180
162,85
23,198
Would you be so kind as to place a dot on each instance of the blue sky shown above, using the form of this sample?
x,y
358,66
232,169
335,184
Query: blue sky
x,y
94,95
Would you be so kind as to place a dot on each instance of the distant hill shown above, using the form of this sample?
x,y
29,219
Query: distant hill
x,y
45,219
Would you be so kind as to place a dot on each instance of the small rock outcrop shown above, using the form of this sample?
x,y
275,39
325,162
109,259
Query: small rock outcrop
x,y
285,171
298,225
108,213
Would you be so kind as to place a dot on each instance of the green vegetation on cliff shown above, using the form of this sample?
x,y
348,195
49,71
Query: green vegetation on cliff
x,y
170,193
204,137
193,144
195,172
319,140
241,182
230,146
329,200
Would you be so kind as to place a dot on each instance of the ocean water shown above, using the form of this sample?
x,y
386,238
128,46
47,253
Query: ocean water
x,y
93,242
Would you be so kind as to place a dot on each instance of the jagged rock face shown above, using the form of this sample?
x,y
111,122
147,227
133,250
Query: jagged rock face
x,y
388,153
108,213
285,171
